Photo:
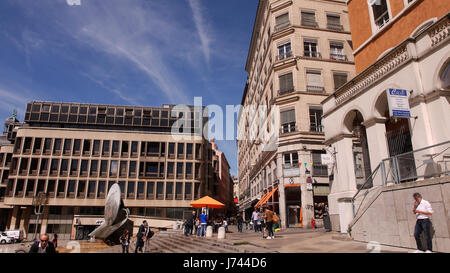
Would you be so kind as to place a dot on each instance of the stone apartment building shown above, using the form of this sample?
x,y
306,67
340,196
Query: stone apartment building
x,y
74,152
300,53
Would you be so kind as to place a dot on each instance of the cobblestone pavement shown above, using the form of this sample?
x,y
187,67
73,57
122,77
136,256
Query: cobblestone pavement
x,y
286,241
307,241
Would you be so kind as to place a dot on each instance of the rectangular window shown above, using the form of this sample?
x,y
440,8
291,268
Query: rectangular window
x,y
115,147
101,189
282,21
151,190
47,145
76,147
179,170
96,147
284,51
160,190
310,48
188,191
334,22
315,119
169,190
94,168
339,79
152,148
64,166
179,191
380,13
67,146
125,148
318,169
61,188
113,169
314,81
180,150
291,160
288,121
134,148
170,169
171,149
132,170
309,19
337,51
286,83
105,150
57,146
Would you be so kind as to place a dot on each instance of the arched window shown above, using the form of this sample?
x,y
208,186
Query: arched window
x,y
445,77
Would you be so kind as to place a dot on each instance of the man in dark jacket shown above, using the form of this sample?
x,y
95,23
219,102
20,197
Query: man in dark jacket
x,y
189,224
43,245
239,221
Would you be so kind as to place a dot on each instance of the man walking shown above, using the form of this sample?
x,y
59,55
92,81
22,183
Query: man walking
x,y
423,211
255,218
239,221
189,224
268,215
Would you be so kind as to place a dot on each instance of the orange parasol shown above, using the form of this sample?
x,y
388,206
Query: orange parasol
x,y
207,202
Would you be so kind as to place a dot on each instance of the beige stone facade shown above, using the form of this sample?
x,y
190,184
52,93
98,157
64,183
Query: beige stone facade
x,y
300,53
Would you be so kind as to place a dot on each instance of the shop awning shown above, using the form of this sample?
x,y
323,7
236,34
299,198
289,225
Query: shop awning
x,y
260,200
266,198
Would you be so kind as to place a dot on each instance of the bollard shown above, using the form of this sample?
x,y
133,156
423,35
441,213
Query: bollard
x,y
209,231
221,233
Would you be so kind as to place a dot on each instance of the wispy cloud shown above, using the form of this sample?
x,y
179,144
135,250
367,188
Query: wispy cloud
x,y
202,30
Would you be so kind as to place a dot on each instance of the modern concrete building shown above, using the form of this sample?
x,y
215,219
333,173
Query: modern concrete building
x,y
398,44
300,52
74,152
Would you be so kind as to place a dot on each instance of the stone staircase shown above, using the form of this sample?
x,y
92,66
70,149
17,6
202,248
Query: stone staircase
x,y
173,241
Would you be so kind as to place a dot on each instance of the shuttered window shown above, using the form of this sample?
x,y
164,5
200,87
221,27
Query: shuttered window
x,y
287,121
282,20
309,18
314,81
286,83
339,79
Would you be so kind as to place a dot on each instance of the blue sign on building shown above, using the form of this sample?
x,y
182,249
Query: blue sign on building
x,y
398,103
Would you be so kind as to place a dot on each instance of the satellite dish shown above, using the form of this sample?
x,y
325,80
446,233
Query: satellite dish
x,y
116,215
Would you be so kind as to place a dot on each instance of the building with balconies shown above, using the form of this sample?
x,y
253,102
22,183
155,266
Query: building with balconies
x,y
300,52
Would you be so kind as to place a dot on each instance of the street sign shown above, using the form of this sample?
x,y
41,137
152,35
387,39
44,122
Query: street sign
x,y
326,159
398,103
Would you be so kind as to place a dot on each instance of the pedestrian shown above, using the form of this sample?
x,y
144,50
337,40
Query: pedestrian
x,y
125,241
43,245
197,226
255,218
268,216
203,221
260,221
225,224
55,240
189,224
140,237
239,221
423,211
326,219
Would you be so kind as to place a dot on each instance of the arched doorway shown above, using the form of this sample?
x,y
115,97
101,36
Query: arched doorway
x,y
398,139
361,159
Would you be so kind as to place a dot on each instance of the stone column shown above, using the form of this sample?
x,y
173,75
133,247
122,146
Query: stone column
x,y
73,233
24,221
14,216
378,148
344,183
282,199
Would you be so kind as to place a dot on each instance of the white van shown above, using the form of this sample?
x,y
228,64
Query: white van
x,y
4,239
17,234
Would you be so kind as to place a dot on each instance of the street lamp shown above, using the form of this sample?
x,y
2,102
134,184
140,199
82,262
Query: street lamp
x,y
38,202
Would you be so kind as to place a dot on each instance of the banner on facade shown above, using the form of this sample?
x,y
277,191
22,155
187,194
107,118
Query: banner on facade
x,y
398,103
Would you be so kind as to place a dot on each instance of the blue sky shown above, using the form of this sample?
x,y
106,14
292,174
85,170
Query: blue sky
x,y
131,52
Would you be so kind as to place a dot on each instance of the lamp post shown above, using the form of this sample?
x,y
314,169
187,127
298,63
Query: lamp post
x,y
38,201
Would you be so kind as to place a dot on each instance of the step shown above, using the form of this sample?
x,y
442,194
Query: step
x,y
204,246
214,243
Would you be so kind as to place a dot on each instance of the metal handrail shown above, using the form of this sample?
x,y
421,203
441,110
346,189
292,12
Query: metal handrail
x,y
370,178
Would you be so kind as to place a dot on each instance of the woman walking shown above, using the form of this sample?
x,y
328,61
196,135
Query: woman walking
x,y
125,240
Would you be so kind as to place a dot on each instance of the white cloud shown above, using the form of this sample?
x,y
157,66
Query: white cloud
x,y
202,30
